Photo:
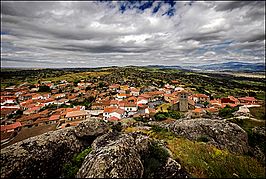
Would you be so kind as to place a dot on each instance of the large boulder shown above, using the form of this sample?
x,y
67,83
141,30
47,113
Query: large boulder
x,y
40,156
115,155
90,129
220,133
257,140
45,155
172,169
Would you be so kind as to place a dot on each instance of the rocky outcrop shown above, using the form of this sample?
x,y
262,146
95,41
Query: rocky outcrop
x,y
260,131
220,133
40,156
257,148
90,128
116,156
172,169
45,155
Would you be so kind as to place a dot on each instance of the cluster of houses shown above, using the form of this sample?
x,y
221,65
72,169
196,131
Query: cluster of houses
x,y
112,103
27,107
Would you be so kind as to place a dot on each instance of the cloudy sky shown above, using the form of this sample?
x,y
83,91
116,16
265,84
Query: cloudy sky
x,y
93,34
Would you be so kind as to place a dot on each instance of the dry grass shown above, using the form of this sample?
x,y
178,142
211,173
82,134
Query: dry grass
x,y
163,107
203,160
31,132
258,112
206,161
70,77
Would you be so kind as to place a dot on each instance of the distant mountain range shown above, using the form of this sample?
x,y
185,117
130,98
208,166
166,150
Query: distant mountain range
x,y
228,66
231,66
165,67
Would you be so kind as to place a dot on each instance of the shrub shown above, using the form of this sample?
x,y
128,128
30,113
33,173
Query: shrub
x,y
207,161
174,114
70,169
227,112
138,118
203,138
160,116
117,127
44,89
158,129
156,158
164,115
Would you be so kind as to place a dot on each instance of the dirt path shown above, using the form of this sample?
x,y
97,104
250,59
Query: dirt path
x,y
30,132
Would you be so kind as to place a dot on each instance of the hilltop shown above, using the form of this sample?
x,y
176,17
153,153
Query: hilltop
x,y
232,66
131,122
180,149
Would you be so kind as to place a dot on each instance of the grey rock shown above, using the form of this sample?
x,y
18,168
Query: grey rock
x,y
172,169
40,156
220,133
261,131
257,150
91,127
115,155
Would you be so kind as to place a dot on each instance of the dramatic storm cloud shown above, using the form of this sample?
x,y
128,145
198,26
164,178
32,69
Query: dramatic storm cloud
x,y
104,33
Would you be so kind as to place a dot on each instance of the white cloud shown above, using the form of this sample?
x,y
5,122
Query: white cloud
x,y
93,34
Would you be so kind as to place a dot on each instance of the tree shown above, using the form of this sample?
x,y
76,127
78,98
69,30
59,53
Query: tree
x,y
101,84
174,114
88,88
44,88
228,111
160,116
206,103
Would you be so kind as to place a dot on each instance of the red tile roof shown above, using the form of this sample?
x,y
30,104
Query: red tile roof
x,y
113,118
142,98
122,94
233,98
114,102
29,117
198,110
200,95
134,89
48,100
7,111
128,104
10,126
212,110
76,113
114,86
247,98
132,98
54,117
109,109
145,96
119,111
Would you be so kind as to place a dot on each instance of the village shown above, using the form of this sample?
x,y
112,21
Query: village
x,y
64,103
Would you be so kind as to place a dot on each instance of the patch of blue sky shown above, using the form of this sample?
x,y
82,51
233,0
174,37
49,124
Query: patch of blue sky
x,y
156,8
170,12
220,48
200,50
146,5
170,2
10,47
141,6
4,33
